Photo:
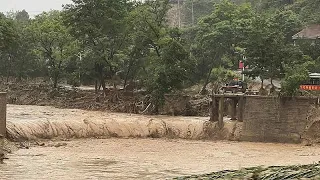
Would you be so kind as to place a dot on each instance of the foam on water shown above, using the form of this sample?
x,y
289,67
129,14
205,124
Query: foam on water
x,y
34,122
117,158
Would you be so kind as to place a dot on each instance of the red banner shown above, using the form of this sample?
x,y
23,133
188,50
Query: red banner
x,y
241,65
310,87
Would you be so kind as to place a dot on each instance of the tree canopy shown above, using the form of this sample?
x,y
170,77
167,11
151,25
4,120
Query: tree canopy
x,y
122,42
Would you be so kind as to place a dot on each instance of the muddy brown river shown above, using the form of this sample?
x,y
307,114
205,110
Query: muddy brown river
x,y
126,157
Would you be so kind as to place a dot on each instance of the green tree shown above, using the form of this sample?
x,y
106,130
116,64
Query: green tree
x,y
295,76
170,70
274,4
308,11
310,48
157,51
100,26
194,10
22,16
218,35
8,41
7,33
54,43
23,62
269,46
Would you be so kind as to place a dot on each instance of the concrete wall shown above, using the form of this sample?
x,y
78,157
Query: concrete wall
x,y
3,112
273,119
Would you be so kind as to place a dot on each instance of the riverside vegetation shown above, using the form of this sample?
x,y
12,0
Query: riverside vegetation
x,y
131,44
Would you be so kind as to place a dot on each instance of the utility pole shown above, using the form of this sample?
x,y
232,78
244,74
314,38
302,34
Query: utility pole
x,y
79,55
179,14
192,13
244,58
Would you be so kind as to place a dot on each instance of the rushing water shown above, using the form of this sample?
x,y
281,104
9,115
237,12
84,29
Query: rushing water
x,y
127,157
33,122
146,158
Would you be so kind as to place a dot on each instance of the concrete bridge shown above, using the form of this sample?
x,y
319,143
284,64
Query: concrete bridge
x,y
270,119
262,118
235,107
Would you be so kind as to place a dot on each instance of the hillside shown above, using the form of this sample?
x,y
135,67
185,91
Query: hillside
x,y
308,9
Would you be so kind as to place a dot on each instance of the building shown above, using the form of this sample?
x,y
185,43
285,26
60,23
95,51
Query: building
x,y
311,32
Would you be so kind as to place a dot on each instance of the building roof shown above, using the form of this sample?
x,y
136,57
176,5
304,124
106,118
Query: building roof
x,y
310,32
314,75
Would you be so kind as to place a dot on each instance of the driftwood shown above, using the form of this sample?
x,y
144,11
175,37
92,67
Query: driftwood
x,y
147,108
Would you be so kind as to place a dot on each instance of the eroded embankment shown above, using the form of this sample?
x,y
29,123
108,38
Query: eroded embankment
x,y
311,133
35,122
115,101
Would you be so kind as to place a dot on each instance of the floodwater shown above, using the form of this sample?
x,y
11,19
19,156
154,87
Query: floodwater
x,y
146,158
132,158
33,122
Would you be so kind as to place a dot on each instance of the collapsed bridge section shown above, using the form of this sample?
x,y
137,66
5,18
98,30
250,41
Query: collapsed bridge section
x,y
270,119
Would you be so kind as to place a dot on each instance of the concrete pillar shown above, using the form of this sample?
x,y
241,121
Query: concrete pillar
x,y
214,111
221,112
233,109
241,108
1,145
3,113
1,148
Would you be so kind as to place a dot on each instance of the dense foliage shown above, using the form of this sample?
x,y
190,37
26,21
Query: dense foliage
x,y
127,43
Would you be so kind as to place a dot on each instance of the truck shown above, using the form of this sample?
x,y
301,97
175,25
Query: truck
x,y
234,86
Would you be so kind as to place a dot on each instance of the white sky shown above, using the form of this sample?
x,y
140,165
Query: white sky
x,y
33,7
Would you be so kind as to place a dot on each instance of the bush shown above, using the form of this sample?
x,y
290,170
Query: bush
x,y
294,77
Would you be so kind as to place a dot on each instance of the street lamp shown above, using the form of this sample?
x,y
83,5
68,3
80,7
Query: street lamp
x,y
192,12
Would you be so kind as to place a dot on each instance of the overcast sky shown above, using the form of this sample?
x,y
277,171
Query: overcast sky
x,y
32,6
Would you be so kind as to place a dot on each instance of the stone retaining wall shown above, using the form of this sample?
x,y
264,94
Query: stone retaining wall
x,y
274,119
